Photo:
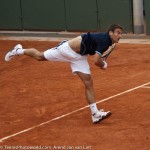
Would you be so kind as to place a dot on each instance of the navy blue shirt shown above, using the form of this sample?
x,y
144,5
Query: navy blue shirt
x,y
95,42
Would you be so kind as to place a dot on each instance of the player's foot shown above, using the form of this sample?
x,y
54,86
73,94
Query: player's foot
x,y
13,52
100,115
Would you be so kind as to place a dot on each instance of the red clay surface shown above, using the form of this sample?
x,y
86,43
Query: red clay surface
x,y
34,92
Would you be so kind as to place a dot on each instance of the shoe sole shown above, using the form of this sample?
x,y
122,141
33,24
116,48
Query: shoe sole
x,y
104,117
8,57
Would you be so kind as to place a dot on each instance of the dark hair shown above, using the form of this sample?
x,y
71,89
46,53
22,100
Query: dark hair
x,y
113,27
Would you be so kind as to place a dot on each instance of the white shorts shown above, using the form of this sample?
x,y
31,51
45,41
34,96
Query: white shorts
x,y
64,53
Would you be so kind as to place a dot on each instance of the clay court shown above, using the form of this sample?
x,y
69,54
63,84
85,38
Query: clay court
x,y
43,103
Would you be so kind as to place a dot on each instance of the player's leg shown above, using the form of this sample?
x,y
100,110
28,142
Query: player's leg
x,y
89,90
97,115
34,53
18,50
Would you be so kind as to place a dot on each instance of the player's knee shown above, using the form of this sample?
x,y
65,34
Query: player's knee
x,y
87,80
88,83
40,56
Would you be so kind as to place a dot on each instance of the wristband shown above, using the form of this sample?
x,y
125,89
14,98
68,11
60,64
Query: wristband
x,y
104,64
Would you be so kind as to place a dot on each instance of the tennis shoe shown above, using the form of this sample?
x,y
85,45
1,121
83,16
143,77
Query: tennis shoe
x,y
100,115
13,52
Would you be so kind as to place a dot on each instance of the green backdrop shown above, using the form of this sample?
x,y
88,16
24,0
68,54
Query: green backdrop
x,y
43,14
70,15
147,15
10,14
115,11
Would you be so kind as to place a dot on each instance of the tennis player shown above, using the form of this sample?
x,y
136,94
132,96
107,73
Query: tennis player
x,y
75,52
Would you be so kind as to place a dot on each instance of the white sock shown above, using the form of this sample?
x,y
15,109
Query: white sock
x,y
19,51
93,108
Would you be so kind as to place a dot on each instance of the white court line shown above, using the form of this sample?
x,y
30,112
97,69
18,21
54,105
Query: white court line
x,y
148,87
62,116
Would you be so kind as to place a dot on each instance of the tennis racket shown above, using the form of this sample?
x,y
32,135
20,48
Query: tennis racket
x,y
108,51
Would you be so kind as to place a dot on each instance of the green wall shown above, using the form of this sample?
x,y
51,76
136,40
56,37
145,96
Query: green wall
x,y
60,15
115,11
81,15
43,14
147,15
10,14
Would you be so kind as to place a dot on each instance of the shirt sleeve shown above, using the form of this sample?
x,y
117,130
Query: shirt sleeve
x,y
98,52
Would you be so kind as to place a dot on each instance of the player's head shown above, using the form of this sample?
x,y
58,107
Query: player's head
x,y
115,31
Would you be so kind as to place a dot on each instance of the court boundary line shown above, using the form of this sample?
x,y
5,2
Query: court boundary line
x,y
148,87
70,113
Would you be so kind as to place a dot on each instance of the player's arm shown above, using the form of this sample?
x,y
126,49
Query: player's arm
x,y
99,61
